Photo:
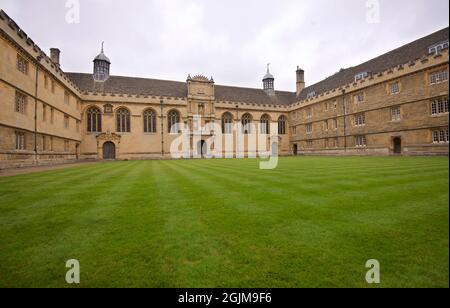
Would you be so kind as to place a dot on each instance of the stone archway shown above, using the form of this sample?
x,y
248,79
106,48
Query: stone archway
x,y
109,142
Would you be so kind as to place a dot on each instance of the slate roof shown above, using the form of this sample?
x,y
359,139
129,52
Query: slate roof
x,y
402,55
155,87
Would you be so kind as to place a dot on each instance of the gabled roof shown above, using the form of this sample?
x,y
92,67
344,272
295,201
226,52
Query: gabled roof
x,y
402,55
130,85
156,87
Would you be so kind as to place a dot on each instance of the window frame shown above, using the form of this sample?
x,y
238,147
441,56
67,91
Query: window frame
x,y
20,103
394,88
22,64
282,122
360,119
66,121
93,120
246,122
20,141
265,125
440,106
227,123
440,136
361,141
123,120
396,114
173,118
150,121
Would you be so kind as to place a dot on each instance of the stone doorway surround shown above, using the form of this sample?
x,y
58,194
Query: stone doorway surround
x,y
108,137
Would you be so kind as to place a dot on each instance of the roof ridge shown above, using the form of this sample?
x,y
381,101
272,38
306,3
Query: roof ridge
x,y
131,77
341,74
183,82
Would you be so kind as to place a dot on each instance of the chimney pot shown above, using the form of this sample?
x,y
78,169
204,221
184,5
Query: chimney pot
x,y
300,80
54,55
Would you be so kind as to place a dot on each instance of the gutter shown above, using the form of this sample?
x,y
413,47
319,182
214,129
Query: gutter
x,y
162,127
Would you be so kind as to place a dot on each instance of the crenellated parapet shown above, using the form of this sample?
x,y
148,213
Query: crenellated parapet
x,y
424,63
11,32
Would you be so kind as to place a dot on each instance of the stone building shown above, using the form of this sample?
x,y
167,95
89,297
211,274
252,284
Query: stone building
x,y
396,104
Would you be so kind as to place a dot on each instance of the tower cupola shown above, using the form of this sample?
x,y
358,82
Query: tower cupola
x,y
101,66
268,82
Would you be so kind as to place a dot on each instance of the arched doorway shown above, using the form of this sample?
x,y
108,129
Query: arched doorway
x,y
398,145
202,148
109,151
295,149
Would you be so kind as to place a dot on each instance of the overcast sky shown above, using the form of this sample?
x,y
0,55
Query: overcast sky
x,y
231,40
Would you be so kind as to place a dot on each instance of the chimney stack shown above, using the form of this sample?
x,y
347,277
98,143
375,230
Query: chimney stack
x,y
54,55
300,80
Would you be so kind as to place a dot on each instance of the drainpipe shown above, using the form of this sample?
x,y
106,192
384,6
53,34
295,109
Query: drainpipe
x,y
162,127
237,132
35,108
345,120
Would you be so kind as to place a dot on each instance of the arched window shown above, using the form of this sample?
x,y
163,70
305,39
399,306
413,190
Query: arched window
x,y
265,125
172,119
246,124
149,121
123,121
227,123
94,120
282,125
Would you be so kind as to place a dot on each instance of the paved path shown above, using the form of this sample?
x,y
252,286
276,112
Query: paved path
x,y
27,170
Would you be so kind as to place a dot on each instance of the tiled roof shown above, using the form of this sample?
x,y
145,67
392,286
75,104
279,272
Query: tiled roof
x,y
249,95
155,87
402,55
130,85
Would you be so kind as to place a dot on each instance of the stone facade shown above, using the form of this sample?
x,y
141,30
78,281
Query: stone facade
x,y
413,128
44,111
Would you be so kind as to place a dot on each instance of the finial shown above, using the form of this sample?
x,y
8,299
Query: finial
x,y
102,46
268,67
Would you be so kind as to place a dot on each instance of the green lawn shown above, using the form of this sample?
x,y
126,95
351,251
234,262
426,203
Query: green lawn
x,y
312,222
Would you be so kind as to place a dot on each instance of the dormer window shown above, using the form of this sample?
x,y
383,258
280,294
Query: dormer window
x,y
361,76
437,48
311,94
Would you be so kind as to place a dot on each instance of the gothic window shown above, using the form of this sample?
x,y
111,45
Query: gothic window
x,y
282,125
94,120
265,125
173,118
123,121
150,121
227,123
246,124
